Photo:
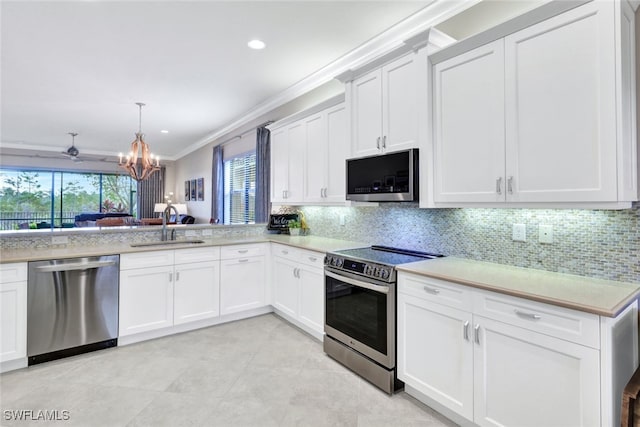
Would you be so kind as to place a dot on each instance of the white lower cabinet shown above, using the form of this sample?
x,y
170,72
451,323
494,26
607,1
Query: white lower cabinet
x,y
526,379
298,287
242,284
13,312
160,289
530,365
146,299
196,292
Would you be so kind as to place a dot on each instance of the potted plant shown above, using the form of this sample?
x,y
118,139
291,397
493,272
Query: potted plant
x,y
294,227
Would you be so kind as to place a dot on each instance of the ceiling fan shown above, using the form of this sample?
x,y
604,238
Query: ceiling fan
x,y
72,152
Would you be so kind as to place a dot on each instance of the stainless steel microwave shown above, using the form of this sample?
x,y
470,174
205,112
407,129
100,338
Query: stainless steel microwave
x,y
391,177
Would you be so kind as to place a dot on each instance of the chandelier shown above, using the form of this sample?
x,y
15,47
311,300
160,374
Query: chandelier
x,y
143,169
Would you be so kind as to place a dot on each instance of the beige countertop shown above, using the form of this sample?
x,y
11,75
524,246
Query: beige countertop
x,y
597,296
314,243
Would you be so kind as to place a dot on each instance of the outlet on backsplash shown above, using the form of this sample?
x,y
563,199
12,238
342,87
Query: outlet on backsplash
x,y
519,233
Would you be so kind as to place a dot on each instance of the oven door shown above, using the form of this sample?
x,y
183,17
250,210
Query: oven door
x,y
361,315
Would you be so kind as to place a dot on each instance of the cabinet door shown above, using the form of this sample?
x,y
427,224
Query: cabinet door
x,y
560,106
297,147
311,289
196,291
242,284
13,321
285,286
518,372
316,158
146,299
400,104
279,165
435,352
367,114
338,151
469,159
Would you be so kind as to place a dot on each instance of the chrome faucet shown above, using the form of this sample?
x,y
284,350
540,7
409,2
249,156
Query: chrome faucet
x,y
165,216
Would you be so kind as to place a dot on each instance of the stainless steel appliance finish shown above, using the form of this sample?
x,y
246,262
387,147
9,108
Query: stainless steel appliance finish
x,y
360,310
72,306
391,177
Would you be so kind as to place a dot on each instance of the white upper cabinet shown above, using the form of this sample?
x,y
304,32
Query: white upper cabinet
x,y
308,158
542,116
469,124
385,114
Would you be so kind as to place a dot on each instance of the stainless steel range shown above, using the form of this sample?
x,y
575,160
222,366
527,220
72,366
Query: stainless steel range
x,y
360,310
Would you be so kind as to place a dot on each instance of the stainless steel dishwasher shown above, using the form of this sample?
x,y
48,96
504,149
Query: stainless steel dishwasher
x,y
72,306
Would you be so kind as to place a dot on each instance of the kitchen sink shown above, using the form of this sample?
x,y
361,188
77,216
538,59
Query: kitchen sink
x,y
167,243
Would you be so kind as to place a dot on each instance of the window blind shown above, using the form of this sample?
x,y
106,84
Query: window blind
x,y
240,189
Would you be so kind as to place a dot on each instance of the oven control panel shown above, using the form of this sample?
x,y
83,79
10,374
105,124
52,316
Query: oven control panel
x,y
364,268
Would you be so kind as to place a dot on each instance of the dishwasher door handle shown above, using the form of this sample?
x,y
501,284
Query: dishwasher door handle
x,y
75,266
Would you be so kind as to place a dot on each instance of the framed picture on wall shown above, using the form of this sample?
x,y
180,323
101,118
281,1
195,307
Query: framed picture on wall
x,y
200,189
193,190
187,191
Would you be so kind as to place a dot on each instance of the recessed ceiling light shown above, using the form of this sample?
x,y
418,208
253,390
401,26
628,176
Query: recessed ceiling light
x,y
256,44
164,131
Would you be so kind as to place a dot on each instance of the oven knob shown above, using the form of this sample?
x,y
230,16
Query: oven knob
x,y
384,274
339,262
376,272
367,270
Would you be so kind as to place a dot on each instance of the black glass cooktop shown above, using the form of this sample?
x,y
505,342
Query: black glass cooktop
x,y
386,255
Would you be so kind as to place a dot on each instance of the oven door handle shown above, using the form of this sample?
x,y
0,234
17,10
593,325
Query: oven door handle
x,y
358,283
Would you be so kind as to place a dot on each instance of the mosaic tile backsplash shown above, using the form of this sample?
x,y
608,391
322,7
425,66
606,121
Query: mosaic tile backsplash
x,y
595,243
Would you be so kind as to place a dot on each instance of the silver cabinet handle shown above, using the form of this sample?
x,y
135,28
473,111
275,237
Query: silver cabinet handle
x,y
431,290
499,185
243,251
177,276
510,185
378,143
284,252
313,259
476,333
171,277
243,260
465,330
384,141
526,315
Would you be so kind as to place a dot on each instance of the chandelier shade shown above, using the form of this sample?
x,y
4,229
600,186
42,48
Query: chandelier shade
x,y
139,161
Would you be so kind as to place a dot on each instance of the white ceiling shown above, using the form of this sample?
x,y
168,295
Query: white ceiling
x,y
80,66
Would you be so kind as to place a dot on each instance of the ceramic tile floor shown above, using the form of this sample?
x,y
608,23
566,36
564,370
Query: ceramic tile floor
x,y
255,372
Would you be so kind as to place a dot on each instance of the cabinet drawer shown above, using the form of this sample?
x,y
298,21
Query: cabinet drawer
x,y
436,290
146,259
310,258
183,256
284,251
571,325
14,272
241,251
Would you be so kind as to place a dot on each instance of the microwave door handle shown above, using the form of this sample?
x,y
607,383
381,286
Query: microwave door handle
x,y
358,283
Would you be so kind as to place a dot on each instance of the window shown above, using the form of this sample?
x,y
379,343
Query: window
x,y
44,199
240,189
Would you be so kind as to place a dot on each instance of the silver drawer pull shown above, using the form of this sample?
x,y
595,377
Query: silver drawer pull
x,y
243,251
284,252
244,260
313,259
531,316
431,290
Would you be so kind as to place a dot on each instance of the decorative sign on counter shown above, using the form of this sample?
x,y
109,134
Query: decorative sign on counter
x,y
281,221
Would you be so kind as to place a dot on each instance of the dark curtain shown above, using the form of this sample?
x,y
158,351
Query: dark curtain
x,y
263,174
217,186
149,192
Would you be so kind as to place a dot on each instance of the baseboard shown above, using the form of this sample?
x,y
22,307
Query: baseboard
x,y
453,416
319,335
12,365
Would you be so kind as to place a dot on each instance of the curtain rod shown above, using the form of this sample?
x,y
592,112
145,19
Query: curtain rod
x,y
233,138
